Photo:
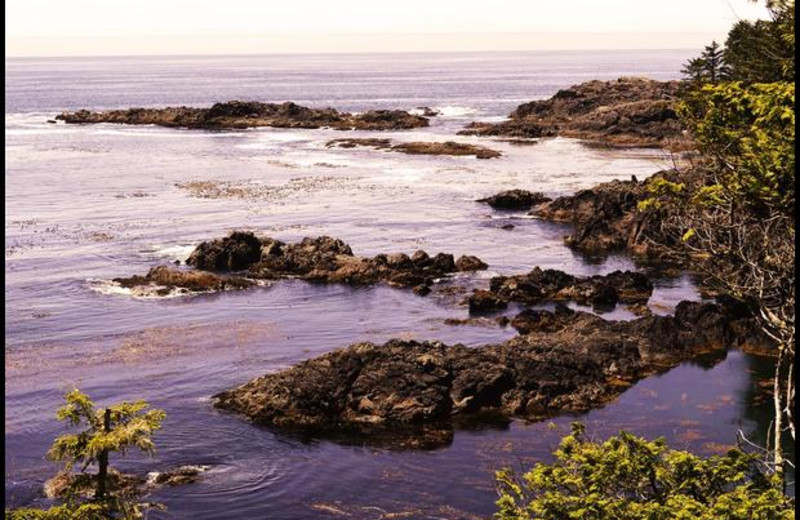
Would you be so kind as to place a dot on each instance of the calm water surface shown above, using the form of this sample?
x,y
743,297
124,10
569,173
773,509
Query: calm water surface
x,y
85,204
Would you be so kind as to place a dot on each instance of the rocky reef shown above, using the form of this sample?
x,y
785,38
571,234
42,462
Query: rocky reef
x,y
603,292
418,147
249,114
242,257
407,394
626,111
515,200
607,218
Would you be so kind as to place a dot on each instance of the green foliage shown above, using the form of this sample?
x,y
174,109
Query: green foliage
x,y
660,191
88,511
749,130
630,478
763,51
131,425
709,67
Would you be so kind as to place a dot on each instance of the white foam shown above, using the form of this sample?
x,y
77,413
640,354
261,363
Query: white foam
x,y
455,111
174,252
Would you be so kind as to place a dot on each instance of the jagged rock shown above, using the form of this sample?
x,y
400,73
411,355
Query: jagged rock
x,y
601,291
606,218
515,199
536,320
321,259
405,393
235,252
247,114
627,111
485,301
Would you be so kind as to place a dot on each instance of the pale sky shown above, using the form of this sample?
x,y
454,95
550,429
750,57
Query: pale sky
x,y
129,27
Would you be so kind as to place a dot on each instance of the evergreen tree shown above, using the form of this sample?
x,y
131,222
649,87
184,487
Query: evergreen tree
x,y
116,428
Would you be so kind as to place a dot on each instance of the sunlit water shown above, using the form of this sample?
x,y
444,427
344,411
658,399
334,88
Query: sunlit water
x,y
87,203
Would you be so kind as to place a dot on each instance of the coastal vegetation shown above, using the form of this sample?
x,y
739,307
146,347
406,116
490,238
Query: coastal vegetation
x,y
630,478
732,210
107,493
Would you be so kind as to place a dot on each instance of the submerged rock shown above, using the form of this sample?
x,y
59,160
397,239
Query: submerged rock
x,y
163,280
411,394
626,111
248,114
417,147
515,199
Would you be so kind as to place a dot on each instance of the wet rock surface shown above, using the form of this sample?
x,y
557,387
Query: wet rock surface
x,y
123,484
248,114
603,292
626,111
606,218
239,259
163,280
515,200
409,394
417,147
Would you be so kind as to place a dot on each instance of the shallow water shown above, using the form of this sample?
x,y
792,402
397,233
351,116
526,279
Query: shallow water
x,y
85,204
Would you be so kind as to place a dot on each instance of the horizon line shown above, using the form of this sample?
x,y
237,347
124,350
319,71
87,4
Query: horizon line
x,y
341,53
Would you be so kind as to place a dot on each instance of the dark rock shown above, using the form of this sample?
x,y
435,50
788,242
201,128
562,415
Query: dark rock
x,y
422,290
627,112
247,114
429,112
322,259
508,227
417,147
485,301
470,263
606,218
406,393
446,148
601,291
236,252
515,199
163,280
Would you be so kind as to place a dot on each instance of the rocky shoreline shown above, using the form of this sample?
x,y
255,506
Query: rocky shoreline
x,y
624,112
251,114
407,394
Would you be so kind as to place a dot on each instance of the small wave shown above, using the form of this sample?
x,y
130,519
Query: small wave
x,y
455,111
148,292
173,252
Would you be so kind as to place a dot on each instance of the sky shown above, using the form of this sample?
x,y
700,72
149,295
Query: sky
x,y
139,27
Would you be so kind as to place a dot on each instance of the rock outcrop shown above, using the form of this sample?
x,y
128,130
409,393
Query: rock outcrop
x,y
164,280
627,111
411,394
603,292
236,261
248,114
515,200
607,218
418,147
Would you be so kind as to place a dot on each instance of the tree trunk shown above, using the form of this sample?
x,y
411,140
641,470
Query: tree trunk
x,y
102,460
776,399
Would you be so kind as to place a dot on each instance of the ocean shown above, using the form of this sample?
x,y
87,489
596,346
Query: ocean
x,y
85,204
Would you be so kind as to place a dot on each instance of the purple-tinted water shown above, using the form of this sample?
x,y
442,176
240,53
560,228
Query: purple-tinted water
x,y
87,203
